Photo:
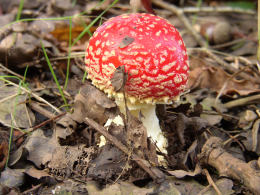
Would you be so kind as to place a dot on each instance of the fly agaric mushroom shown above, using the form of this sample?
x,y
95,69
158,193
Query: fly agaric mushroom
x,y
155,60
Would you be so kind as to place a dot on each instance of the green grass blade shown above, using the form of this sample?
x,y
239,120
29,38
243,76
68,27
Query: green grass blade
x,y
69,53
18,16
93,22
12,126
54,76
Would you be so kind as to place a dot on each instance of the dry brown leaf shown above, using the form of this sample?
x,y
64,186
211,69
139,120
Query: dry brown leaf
x,y
255,135
93,103
40,147
13,109
207,76
38,174
182,173
65,126
61,32
12,178
3,154
68,160
118,188
119,78
109,164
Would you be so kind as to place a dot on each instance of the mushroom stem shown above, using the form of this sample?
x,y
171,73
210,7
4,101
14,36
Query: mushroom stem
x,y
150,121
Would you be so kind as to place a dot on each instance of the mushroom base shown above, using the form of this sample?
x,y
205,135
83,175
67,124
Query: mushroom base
x,y
149,119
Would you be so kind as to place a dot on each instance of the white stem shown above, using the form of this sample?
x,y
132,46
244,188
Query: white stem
x,y
150,122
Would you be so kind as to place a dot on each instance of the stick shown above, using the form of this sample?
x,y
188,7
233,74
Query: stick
x,y
214,155
219,9
35,106
242,101
155,173
211,182
183,18
40,125
224,64
36,96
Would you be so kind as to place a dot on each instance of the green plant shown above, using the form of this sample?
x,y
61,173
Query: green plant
x,y
54,76
18,16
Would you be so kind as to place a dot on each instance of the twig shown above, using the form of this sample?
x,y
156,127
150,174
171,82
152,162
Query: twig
x,y
214,154
11,72
155,173
35,96
232,138
62,57
224,64
183,18
41,125
242,101
35,106
220,9
228,44
241,59
225,85
211,182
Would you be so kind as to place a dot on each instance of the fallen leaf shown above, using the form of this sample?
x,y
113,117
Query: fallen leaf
x,y
65,126
38,174
204,75
13,110
69,161
119,79
250,141
40,147
108,165
20,48
93,103
12,178
225,186
181,173
120,188
61,32
212,119
3,154
126,41
255,135
178,187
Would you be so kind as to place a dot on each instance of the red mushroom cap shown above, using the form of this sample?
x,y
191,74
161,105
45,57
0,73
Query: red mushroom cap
x,y
150,48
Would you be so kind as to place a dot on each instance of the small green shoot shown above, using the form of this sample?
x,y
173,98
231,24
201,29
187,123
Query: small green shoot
x,y
93,22
198,5
18,16
84,77
13,115
22,83
54,76
69,53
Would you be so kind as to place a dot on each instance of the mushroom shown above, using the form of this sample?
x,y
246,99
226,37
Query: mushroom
x,y
155,61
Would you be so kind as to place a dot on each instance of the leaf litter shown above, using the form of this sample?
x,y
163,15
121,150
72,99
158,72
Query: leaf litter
x,y
212,131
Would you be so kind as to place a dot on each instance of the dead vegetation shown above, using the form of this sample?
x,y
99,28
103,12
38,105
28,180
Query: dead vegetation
x,y
83,147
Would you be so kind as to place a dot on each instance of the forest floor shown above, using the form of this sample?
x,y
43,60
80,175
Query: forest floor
x,y
52,118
